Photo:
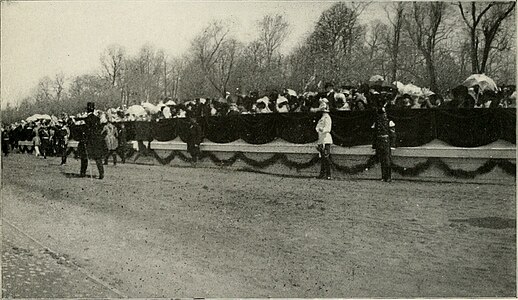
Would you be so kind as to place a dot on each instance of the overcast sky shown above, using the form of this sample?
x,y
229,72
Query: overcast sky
x,y
40,38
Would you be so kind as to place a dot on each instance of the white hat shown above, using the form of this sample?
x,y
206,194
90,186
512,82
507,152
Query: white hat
x,y
264,99
324,105
281,99
340,96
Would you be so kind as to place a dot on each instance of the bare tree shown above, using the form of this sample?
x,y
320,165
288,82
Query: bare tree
x,y
273,31
59,82
483,22
397,25
216,53
336,36
112,60
425,30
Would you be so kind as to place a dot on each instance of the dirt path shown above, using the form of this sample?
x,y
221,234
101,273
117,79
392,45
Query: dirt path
x,y
163,232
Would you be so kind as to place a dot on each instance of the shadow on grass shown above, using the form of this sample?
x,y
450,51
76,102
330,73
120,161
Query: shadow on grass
x,y
76,175
488,222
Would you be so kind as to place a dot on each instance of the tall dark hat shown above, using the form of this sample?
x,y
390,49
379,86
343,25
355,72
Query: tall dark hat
x,y
90,106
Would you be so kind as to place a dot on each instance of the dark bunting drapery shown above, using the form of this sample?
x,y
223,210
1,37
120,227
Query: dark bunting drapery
x,y
457,127
258,129
297,128
221,129
507,118
352,128
468,127
413,127
165,130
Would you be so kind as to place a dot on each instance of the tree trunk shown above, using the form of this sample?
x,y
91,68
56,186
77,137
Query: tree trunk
x,y
474,52
432,80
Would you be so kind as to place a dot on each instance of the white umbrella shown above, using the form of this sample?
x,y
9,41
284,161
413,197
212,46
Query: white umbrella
x,y
412,90
32,118
427,92
376,79
291,92
152,109
400,86
136,110
483,81
170,102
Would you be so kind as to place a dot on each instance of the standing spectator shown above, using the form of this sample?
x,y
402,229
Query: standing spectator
x,y
63,134
194,140
384,137
122,143
92,144
45,141
110,137
5,141
325,140
36,142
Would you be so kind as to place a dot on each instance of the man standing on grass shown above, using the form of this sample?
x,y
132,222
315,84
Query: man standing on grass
x,y
195,139
92,143
325,140
384,135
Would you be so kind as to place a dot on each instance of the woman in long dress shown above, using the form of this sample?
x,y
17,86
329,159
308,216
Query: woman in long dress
x,y
110,137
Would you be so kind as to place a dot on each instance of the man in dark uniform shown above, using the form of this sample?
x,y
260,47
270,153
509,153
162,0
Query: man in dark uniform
x,y
122,142
5,141
195,139
384,135
92,143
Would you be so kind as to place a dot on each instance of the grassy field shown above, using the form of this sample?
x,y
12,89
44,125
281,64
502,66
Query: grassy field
x,y
190,232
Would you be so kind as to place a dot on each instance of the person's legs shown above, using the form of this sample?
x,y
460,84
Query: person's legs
x,y
100,167
327,160
384,158
63,154
84,166
37,150
321,151
114,155
122,152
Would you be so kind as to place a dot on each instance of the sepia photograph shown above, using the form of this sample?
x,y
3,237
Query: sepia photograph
x,y
258,149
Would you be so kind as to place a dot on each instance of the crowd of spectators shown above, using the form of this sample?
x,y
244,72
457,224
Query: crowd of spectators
x,y
50,134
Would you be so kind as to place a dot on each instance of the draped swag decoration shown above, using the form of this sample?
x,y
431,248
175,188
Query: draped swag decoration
x,y
505,165
457,127
508,167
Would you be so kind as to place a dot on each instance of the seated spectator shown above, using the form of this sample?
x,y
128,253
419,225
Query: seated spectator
x,y
282,105
233,110
341,102
261,105
358,101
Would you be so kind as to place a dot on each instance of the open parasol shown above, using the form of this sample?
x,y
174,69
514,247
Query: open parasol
x,y
136,110
483,81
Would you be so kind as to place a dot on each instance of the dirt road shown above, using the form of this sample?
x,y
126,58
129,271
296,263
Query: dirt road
x,y
152,231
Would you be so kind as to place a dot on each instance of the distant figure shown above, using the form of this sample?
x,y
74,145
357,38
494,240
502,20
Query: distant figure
x,y
62,136
122,143
110,137
36,142
5,141
384,139
45,141
92,143
194,140
325,140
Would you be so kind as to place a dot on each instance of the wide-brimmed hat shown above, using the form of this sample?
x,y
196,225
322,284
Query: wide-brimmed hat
x,y
324,105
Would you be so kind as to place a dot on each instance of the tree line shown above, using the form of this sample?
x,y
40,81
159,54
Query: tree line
x,y
432,44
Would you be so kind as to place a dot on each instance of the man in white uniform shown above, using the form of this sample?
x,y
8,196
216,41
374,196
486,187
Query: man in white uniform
x,y
325,140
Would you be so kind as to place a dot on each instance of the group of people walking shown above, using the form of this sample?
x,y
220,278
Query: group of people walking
x,y
100,141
